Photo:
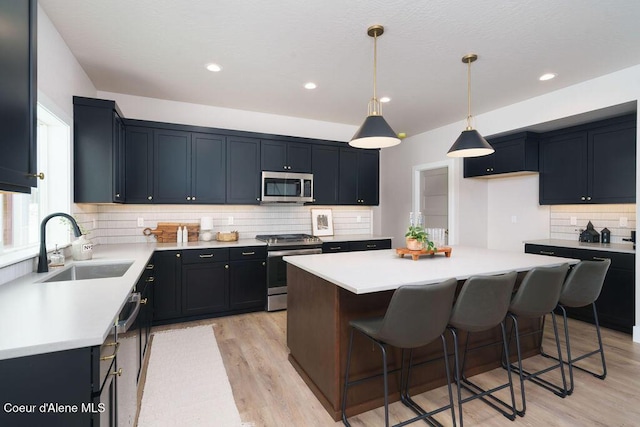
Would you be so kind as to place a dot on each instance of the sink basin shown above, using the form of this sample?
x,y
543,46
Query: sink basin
x,y
91,271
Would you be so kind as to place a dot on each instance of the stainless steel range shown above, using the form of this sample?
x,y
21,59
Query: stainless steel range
x,y
278,246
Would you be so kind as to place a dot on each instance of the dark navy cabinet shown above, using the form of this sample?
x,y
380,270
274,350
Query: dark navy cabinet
x,y
281,156
248,278
208,168
592,163
167,297
98,151
171,166
356,245
359,177
243,170
517,153
616,303
139,164
18,95
325,166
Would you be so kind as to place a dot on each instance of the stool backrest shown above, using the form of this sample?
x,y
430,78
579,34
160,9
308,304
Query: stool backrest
x,y
584,283
417,314
483,302
539,292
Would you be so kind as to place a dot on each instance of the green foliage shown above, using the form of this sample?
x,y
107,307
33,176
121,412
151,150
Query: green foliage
x,y
419,233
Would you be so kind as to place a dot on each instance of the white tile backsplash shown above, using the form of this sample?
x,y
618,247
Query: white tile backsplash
x,y
118,223
601,216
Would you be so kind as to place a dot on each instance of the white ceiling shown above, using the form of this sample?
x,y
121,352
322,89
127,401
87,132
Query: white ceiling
x,y
268,49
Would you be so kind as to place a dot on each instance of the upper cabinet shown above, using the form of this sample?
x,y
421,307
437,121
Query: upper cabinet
x,y
243,170
325,166
281,156
515,154
139,164
593,163
359,177
18,96
98,151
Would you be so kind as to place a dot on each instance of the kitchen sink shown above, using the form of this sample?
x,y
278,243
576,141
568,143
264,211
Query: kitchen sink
x,y
91,271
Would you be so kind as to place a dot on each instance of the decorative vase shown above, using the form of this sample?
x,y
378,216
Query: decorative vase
x,y
414,245
82,249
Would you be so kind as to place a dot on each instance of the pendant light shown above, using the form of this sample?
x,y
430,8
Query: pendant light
x,y
470,143
374,132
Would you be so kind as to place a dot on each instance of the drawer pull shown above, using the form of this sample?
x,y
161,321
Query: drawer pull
x,y
150,267
206,256
118,372
335,248
143,300
547,253
150,279
597,258
372,246
248,253
115,351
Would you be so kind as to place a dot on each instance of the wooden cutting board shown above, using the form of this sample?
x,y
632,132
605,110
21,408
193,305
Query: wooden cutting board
x,y
166,232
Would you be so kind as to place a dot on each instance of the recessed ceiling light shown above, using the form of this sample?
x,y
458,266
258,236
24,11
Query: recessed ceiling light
x,y
310,85
214,67
385,99
547,76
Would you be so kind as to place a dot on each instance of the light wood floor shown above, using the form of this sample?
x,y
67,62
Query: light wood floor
x,y
269,392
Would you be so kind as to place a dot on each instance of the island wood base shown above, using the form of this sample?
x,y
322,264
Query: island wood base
x,y
318,315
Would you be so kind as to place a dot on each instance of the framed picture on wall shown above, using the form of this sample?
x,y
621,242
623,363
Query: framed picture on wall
x,y
321,222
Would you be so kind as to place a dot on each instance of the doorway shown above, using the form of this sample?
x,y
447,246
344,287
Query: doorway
x,y
432,185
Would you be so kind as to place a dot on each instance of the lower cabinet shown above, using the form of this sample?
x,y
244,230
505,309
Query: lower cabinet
x,y
199,283
64,388
145,316
356,245
616,303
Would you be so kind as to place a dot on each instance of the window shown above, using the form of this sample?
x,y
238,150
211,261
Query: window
x,y
21,214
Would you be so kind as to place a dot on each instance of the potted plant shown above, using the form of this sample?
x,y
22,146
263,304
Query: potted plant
x,y
418,239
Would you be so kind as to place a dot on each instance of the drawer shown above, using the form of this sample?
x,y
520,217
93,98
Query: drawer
x,y
370,245
331,247
194,256
248,252
618,260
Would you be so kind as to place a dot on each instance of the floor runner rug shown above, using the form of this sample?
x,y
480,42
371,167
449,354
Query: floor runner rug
x,y
186,382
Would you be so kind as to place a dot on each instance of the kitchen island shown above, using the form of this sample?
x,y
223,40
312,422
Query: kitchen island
x,y
326,291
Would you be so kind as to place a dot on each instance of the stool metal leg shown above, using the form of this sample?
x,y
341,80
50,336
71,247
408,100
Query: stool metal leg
x,y
346,382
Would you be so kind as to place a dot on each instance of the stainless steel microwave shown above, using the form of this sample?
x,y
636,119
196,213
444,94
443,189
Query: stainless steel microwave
x,y
286,187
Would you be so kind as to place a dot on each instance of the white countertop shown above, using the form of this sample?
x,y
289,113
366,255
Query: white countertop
x,y
352,238
382,270
45,317
574,244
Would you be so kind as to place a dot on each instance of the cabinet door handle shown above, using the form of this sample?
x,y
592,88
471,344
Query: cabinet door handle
x,y
188,198
36,175
116,346
143,300
193,198
206,255
117,195
588,197
226,266
248,253
150,198
177,255
264,264
547,253
118,372
150,267
597,258
583,198
150,279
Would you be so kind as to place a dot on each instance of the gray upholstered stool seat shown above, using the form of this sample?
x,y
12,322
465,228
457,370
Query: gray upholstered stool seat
x,y
582,288
482,305
416,316
538,295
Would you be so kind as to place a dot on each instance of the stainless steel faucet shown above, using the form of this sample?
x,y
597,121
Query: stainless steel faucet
x,y
43,264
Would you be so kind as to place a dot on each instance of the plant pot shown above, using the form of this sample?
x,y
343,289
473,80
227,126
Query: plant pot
x,y
414,245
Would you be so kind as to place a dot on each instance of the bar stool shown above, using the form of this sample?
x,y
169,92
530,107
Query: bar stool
x,y
416,316
482,305
582,288
538,295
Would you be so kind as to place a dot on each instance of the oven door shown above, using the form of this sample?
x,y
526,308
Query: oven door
x,y
277,276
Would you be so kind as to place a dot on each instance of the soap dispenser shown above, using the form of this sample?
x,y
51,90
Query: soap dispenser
x,y
57,258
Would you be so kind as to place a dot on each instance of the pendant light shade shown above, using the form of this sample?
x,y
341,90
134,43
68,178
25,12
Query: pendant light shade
x,y
375,132
470,143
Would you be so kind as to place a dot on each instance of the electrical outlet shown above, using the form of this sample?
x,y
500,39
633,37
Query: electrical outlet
x,y
623,221
573,220
230,220
358,218
140,222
